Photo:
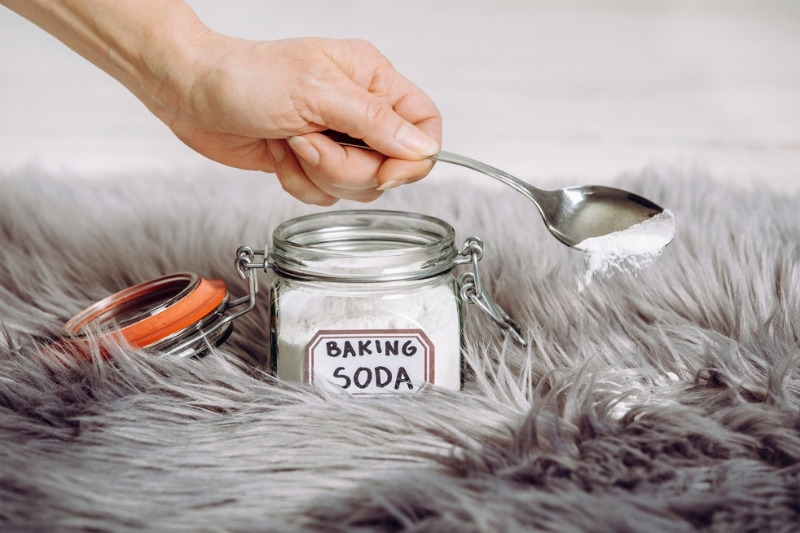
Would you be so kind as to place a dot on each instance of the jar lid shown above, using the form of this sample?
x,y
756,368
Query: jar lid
x,y
363,246
158,314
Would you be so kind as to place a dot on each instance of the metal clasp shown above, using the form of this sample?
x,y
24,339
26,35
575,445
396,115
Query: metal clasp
x,y
472,290
246,268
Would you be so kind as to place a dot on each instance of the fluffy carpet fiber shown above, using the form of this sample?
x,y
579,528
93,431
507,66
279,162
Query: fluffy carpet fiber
x,y
662,401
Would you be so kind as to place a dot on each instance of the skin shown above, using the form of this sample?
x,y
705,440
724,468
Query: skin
x,y
258,105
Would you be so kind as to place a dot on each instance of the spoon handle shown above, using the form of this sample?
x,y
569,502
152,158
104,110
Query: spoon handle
x,y
532,193
529,191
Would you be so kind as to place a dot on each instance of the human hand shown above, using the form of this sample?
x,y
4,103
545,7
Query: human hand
x,y
260,105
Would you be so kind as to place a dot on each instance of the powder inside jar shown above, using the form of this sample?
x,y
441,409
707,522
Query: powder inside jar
x,y
430,307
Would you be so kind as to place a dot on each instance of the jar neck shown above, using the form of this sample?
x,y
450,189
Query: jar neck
x,y
363,246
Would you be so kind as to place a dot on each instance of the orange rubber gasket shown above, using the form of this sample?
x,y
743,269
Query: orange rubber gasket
x,y
190,306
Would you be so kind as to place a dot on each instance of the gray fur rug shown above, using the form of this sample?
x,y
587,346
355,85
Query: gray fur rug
x,y
664,401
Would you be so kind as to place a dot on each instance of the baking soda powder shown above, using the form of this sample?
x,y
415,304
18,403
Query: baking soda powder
x,y
628,250
370,342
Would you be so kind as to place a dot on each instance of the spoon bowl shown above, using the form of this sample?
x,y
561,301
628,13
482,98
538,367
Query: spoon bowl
x,y
574,214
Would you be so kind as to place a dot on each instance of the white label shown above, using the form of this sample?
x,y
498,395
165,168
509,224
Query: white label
x,y
371,361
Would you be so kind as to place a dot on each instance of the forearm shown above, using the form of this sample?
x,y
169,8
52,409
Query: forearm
x,y
144,44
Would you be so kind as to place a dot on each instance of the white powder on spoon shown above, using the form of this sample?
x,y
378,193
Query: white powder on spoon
x,y
628,250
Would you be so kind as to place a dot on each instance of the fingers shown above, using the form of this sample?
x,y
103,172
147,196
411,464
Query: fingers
x,y
347,173
388,112
353,173
409,102
365,116
396,172
323,173
293,178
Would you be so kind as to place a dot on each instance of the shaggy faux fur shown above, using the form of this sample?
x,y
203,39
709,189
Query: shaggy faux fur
x,y
664,401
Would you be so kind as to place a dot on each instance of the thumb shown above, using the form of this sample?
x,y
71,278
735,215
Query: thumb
x,y
363,115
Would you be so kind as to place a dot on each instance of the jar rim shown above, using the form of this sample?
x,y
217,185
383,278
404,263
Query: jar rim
x,y
363,246
155,314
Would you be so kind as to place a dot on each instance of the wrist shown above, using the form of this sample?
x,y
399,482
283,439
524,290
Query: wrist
x,y
165,71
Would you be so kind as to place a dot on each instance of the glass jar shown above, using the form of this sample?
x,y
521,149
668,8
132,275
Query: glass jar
x,y
367,301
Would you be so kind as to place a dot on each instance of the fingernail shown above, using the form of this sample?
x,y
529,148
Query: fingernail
x,y
416,141
304,149
276,150
391,184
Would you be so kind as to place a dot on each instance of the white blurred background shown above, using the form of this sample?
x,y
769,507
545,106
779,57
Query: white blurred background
x,y
573,90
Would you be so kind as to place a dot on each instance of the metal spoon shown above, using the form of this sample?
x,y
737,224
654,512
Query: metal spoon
x,y
572,214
